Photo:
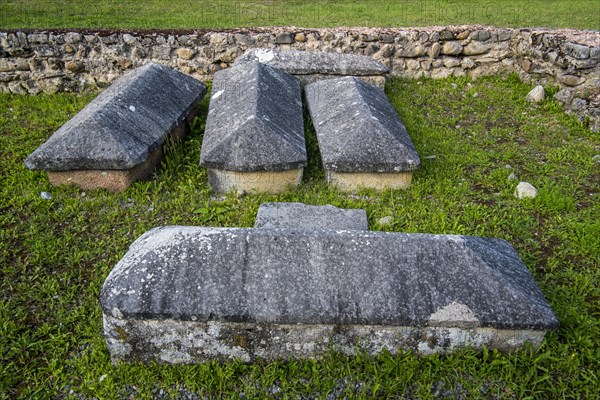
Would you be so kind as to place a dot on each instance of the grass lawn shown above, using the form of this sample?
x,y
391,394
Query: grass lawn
x,y
582,14
55,254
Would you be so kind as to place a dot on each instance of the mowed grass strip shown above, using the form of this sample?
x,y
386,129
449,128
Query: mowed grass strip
x,y
471,135
161,14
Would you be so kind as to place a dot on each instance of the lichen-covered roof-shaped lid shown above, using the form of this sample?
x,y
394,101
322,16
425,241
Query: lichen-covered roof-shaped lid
x,y
358,129
309,62
294,276
254,121
119,128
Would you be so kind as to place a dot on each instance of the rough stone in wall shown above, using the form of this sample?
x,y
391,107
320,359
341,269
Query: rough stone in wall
x,y
191,294
361,139
118,137
254,136
77,61
310,66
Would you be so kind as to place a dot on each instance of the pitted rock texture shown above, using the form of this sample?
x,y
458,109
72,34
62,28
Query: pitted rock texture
x,y
254,121
303,216
471,290
122,127
358,129
187,342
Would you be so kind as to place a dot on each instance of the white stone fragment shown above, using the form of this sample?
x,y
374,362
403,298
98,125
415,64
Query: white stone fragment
x,y
536,95
525,190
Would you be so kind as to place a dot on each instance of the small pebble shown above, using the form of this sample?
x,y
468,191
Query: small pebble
x,y
454,85
536,95
525,190
596,158
513,177
132,108
45,195
385,220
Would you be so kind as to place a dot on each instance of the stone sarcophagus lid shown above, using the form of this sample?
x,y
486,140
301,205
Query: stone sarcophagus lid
x,y
119,136
363,142
191,294
311,66
254,136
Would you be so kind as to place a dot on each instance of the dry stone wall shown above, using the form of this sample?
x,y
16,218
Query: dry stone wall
x,y
52,61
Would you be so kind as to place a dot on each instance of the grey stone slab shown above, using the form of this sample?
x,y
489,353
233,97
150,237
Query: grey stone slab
x,y
254,121
124,125
375,80
187,294
308,63
358,129
303,216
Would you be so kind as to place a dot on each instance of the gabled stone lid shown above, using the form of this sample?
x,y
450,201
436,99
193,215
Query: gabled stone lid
x,y
358,129
124,124
324,277
254,121
307,62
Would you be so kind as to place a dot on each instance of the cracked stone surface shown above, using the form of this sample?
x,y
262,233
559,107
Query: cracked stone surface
x,y
124,126
303,216
187,294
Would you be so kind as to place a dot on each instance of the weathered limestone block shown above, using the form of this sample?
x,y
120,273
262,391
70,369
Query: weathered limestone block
x,y
302,216
254,136
191,294
361,138
308,66
118,137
